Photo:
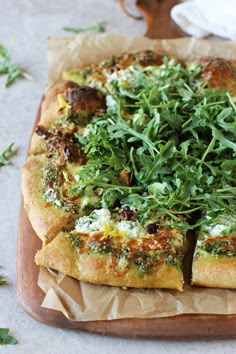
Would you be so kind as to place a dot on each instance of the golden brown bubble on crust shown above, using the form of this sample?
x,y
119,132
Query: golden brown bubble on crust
x,y
219,73
85,100
55,90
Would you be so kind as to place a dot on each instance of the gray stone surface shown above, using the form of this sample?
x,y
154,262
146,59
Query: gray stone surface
x,y
28,23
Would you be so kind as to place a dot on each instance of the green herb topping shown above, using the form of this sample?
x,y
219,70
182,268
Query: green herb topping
x,y
219,245
55,188
175,137
75,240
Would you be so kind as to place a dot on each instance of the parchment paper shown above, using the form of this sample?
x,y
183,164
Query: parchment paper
x,y
86,302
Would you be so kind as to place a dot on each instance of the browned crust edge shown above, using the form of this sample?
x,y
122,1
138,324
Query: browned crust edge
x,y
95,268
213,271
46,221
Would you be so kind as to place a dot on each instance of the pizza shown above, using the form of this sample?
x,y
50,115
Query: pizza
x,y
117,250
214,260
132,158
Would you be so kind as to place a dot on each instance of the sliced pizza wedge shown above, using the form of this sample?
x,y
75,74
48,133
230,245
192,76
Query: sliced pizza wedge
x,y
46,218
117,250
47,200
214,260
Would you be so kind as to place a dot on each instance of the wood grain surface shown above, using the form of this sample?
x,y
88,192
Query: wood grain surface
x,y
31,296
156,14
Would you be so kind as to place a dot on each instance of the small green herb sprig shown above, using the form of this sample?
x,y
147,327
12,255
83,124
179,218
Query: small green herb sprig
x,y
5,338
98,27
176,138
12,71
3,280
6,154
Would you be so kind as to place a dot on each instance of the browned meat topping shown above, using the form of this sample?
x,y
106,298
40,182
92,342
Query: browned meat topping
x,y
85,101
61,146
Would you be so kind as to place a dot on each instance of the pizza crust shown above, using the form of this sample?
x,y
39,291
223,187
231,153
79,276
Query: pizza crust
x,y
47,221
212,271
37,145
95,268
48,115
49,106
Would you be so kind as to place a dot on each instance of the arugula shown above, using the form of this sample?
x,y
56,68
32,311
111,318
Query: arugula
x,y
4,54
3,280
175,136
6,154
12,71
101,178
98,26
5,338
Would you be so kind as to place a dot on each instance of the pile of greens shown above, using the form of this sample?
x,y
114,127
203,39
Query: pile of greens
x,y
173,135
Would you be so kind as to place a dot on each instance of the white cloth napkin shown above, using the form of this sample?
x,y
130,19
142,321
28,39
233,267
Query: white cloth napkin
x,y
200,18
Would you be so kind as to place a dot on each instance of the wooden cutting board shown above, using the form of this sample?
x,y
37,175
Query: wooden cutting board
x,y
156,14
31,296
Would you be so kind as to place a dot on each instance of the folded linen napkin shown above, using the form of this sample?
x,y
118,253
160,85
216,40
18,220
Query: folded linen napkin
x,y
200,18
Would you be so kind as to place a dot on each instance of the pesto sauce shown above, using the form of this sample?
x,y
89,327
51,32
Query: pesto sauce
x,y
78,77
216,248
75,240
53,180
101,247
145,262
77,118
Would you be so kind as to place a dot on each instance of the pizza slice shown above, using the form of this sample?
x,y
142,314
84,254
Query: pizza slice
x,y
47,181
214,260
48,210
115,249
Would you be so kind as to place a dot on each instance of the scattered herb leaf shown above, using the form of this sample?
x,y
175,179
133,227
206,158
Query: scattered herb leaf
x,y
12,71
5,338
6,154
3,280
97,27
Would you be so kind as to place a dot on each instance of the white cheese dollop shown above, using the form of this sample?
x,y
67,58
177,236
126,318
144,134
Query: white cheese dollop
x,y
93,222
131,228
110,102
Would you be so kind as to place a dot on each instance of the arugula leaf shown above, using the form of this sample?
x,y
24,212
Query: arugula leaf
x,y
11,70
3,280
98,26
5,338
6,154
13,73
175,137
4,53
